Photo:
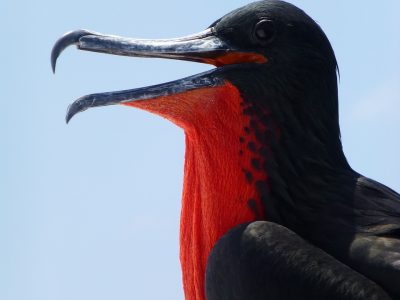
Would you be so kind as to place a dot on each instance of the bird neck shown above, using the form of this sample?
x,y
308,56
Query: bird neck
x,y
304,159
240,164
219,179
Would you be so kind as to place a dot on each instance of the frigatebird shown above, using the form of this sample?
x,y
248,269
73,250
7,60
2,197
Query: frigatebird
x,y
271,208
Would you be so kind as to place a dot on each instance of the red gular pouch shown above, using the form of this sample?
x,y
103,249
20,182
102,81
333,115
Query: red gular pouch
x,y
220,177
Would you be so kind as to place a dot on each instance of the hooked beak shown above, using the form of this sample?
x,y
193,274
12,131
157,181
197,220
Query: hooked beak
x,y
204,47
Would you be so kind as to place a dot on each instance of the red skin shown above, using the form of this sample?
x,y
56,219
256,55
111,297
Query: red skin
x,y
215,190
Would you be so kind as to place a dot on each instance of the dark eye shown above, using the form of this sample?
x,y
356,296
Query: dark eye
x,y
265,31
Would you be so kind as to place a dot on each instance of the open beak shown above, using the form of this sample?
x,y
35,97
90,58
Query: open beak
x,y
204,47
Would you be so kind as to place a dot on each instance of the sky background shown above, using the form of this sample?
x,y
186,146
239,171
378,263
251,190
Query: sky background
x,y
91,210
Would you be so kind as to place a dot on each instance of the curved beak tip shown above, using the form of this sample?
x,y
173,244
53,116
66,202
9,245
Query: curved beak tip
x,y
68,39
72,110
68,116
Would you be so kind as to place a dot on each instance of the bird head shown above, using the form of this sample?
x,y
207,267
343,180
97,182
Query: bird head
x,y
271,44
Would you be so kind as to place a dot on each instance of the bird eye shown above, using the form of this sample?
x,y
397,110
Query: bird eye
x,y
265,31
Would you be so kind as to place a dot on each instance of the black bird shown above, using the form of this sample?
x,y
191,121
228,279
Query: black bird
x,y
271,209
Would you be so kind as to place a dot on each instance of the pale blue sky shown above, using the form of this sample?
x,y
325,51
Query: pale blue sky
x,y
91,210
